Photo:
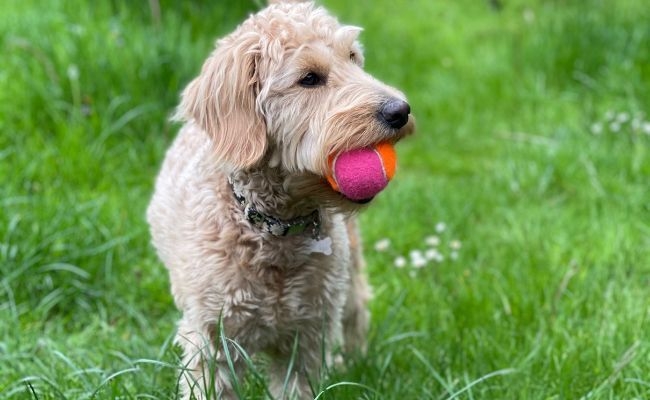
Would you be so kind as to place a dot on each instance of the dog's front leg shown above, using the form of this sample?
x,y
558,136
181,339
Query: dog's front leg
x,y
288,384
300,363
209,373
290,378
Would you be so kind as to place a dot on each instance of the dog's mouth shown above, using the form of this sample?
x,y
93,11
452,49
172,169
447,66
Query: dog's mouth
x,y
342,196
360,202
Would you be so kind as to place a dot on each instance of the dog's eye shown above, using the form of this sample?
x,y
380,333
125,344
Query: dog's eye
x,y
353,55
310,80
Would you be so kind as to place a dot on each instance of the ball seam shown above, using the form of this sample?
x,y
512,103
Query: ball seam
x,y
381,162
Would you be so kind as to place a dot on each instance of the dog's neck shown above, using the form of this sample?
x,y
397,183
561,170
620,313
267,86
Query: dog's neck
x,y
274,201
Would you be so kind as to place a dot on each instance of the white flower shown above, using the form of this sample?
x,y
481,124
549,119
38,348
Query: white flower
x,y
453,255
432,240
596,128
514,186
417,259
415,254
623,117
73,72
382,245
529,16
419,262
455,244
431,254
646,128
434,255
400,262
77,30
440,227
615,127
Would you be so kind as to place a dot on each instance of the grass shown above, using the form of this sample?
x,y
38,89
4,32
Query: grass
x,y
533,149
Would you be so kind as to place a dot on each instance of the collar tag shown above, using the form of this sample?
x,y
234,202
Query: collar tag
x,y
323,246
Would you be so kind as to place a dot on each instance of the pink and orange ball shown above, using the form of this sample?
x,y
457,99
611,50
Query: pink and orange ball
x,y
360,174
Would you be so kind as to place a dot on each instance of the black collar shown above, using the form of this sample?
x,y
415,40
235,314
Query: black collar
x,y
309,224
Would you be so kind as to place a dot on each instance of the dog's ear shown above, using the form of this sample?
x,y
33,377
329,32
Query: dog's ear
x,y
222,101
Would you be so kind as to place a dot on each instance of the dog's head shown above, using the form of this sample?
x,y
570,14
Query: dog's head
x,y
287,89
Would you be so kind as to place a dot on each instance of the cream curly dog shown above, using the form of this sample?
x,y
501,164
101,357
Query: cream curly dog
x,y
260,249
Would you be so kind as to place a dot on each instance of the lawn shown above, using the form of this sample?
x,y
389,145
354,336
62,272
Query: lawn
x,y
510,256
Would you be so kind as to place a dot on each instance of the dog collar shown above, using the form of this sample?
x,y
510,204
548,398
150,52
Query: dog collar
x,y
296,226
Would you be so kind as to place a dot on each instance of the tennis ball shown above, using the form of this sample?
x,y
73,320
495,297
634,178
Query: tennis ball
x,y
360,174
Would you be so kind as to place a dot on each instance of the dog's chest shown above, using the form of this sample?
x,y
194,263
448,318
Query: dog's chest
x,y
296,287
303,287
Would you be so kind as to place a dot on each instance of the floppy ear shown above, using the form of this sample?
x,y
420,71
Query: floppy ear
x,y
221,101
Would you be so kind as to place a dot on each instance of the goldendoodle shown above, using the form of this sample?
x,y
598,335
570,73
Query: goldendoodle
x,y
260,249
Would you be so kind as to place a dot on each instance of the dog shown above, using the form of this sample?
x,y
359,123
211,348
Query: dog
x,y
260,249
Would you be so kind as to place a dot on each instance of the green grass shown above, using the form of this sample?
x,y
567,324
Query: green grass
x,y
518,152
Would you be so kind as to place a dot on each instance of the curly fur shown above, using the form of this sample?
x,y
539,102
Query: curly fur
x,y
246,117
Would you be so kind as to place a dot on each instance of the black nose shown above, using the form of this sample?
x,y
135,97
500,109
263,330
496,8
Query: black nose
x,y
395,113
